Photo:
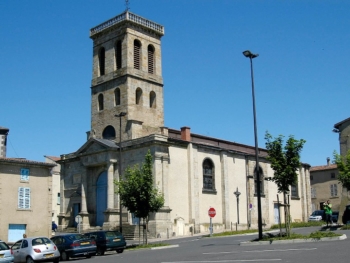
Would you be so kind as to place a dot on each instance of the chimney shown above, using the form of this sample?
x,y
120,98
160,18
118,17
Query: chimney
x,y
186,134
328,161
3,140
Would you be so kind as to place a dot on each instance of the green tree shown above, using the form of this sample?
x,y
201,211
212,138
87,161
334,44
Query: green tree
x,y
343,165
137,191
285,161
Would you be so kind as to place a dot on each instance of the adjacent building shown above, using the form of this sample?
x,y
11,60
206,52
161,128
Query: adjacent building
x,y
25,196
193,172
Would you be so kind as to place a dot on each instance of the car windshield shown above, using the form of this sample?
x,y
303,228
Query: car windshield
x,y
76,237
112,234
317,213
4,246
40,241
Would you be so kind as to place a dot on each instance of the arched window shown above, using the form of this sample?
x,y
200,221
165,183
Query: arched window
x,y
261,175
108,133
101,59
152,100
150,50
118,54
137,54
100,102
208,175
117,96
138,96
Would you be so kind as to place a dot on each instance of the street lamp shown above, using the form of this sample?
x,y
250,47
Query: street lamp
x,y
120,115
250,55
237,194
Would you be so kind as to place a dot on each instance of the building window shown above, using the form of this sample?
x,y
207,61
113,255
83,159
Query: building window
x,y
119,54
208,175
334,190
311,177
117,96
313,193
24,198
332,175
100,102
152,99
294,191
101,59
58,198
150,50
261,175
24,174
137,54
108,133
138,96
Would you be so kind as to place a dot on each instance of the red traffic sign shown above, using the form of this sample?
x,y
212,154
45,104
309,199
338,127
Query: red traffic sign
x,y
211,212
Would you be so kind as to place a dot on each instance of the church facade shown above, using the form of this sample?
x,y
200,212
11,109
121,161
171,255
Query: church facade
x,y
193,172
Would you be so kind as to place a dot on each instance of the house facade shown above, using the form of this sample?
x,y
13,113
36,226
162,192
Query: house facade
x,y
193,172
25,198
325,186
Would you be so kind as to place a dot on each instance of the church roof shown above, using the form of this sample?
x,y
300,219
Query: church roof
x,y
323,167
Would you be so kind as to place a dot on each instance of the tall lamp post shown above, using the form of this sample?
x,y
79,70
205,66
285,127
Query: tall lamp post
x,y
120,115
237,194
250,55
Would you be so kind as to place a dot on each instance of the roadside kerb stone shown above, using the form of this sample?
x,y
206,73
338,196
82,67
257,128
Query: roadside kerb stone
x,y
291,241
171,246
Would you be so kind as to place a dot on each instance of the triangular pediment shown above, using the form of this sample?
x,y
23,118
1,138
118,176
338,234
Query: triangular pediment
x,y
97,145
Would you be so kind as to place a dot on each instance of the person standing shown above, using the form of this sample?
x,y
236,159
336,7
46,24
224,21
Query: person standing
x,y
328,211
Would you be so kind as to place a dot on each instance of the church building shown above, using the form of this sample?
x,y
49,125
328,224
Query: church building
x,y
193,172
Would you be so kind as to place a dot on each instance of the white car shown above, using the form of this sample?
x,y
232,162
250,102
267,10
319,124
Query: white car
x,y
317,215
35,249
5,253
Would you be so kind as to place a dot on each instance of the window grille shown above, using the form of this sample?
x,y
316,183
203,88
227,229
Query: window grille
x,y
137,54
119,54
150,59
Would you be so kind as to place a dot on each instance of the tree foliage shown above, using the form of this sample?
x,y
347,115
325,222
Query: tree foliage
x,y
137,191
285,160
343,164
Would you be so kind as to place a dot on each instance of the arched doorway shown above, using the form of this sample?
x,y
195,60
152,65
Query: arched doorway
x,y
101,198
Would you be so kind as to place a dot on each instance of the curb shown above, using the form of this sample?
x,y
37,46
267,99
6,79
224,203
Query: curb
x,y
165,247
292,241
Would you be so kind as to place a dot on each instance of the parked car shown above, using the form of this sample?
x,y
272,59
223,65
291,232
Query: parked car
x,y
108,240
5,253
335,215
346,215
35,249
74,245
317,215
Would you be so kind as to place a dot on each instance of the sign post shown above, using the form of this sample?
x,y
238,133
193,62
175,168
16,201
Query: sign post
x,y
211,213
78,220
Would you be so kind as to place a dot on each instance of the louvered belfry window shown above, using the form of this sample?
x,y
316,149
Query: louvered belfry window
x,y
137,54
101,58
119,54
150,59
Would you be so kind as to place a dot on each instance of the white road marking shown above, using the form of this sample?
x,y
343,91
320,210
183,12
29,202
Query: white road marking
x,y
260,251
230,260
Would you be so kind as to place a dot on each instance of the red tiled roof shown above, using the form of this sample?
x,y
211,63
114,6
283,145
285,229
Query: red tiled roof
x,y
53,158
323,167
23,160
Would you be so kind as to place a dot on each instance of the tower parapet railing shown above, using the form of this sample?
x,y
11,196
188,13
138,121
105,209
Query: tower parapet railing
x,y
127,16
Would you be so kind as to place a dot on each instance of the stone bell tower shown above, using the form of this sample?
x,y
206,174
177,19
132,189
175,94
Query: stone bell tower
x,y
126,77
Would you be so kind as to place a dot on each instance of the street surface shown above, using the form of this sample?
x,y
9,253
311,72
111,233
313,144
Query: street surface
x,y
227,249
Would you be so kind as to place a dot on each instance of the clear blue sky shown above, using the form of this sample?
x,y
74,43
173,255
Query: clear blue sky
x,y
301,75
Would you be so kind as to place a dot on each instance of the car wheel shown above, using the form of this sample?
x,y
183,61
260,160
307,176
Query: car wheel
x,y
29,260
64,256
120,250
88,256
100,251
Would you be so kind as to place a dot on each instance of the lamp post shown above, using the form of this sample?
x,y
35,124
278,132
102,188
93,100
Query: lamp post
x,y
250,55
120,115
237,194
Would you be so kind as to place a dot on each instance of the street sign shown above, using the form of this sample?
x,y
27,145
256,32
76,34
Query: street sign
x,y
211,212
78,219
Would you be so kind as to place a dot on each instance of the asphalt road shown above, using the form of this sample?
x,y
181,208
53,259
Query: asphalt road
x,y
227,249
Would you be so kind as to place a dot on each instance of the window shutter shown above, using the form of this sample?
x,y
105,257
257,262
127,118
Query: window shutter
x,y
332,190
21,197
27,198
24,197
335,190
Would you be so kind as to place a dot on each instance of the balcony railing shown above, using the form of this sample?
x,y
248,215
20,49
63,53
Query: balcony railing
x,y
127,16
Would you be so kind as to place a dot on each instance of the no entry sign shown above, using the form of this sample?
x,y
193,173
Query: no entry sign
x,y
211,212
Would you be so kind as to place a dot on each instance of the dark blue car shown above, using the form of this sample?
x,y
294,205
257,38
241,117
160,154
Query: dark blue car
x,y
74,245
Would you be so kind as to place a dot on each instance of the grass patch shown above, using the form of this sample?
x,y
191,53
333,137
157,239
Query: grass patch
x,y
300,224
150,245
313,235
